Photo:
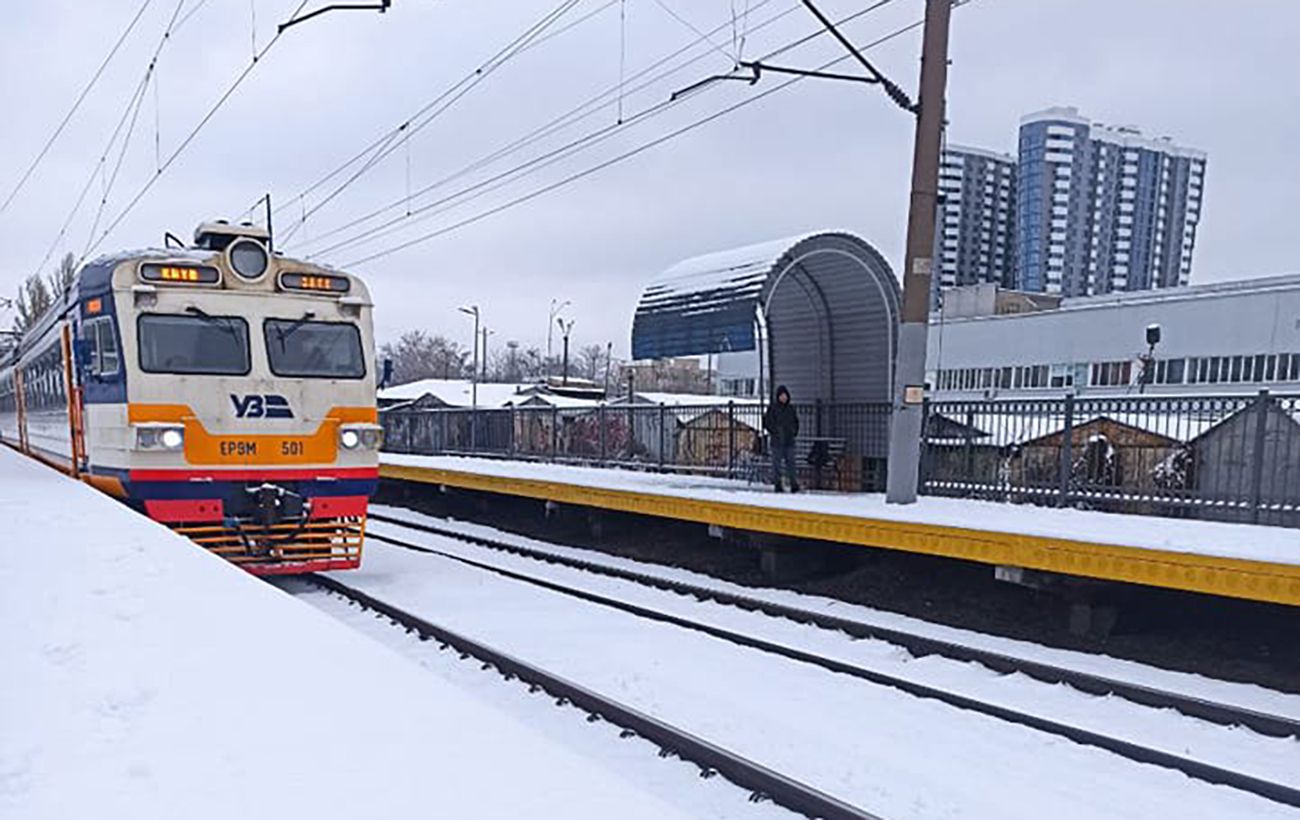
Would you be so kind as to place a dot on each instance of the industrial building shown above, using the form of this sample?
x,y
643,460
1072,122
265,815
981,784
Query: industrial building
x,y
1223,338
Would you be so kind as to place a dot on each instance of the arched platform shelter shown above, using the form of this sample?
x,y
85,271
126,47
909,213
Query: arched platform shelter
x,y
821,309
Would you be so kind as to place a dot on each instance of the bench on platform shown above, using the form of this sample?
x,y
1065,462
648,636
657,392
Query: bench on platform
x,y
814,456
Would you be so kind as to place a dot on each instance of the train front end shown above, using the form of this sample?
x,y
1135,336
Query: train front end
x,y
246,402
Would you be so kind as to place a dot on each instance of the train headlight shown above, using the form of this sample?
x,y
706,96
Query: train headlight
x,y
159,438
248,258
362,437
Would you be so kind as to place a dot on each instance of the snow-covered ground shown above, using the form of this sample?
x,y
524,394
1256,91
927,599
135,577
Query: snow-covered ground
x,y
141,677
896,755
1243,695
1210,538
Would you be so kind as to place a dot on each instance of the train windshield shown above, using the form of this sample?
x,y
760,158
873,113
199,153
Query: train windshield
x,y
197,344
305,349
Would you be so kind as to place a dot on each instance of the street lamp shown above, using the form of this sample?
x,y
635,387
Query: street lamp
x,y
473,373
565,330
550,325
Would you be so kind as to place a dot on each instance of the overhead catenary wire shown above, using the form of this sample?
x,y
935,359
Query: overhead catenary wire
x,y
76,105
576,114
296,200
570,179
550,158
194,132
128,115
381,148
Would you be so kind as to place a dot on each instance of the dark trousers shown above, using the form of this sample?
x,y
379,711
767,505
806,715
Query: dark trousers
x,y
783,462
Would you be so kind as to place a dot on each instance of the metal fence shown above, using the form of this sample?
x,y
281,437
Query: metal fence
x,y
842,446
1230,458
1223,458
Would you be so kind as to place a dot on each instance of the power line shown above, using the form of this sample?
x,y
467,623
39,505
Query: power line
x,y
619,158
85,92
575,115
538,163
243,75
385,145
132,107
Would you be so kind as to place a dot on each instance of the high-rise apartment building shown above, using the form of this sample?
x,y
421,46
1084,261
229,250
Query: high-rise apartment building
x,y
976,237
1102,209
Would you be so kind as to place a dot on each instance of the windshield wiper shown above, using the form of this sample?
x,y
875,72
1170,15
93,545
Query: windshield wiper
x,y
223,322
285,333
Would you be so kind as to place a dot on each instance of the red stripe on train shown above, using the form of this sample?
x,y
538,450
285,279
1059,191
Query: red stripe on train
x,y
254,475
184,510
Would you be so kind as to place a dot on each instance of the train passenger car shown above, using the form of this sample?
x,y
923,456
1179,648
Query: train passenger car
x,y
222,390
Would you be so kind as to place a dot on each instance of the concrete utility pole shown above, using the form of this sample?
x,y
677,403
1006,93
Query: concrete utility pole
x,y
565,329
556,308
473,370
909,377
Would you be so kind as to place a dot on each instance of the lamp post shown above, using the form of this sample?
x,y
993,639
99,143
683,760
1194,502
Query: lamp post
x,y
556,307
565,330
473,373
486,334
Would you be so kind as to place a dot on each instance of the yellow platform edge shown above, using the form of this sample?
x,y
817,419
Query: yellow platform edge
x,y
1229,577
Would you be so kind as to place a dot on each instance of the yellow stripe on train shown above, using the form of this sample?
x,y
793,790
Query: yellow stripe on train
x,y
204,448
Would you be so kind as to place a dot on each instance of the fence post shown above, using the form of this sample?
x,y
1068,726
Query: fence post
x,y
602,433
1067,453
473,429
446,443
925,445
968,448
514,421
555,431
731,439
662,415
1257,456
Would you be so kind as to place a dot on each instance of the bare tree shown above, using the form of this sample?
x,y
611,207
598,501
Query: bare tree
x,y
33,300
37,295
591,362
416,355
62,279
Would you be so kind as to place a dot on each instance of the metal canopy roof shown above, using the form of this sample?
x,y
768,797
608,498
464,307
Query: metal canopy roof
x,y
828,299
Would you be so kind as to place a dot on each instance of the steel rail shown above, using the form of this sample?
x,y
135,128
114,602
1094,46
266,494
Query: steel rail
x,y
762,782
917,645
1133,751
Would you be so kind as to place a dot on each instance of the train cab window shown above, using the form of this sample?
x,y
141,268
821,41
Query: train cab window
x,y
306,349
102,346
196,344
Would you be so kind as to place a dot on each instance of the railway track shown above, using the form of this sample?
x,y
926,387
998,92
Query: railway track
x,y
917,645
762,783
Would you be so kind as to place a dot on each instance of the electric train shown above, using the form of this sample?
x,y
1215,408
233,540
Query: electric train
x,y
221,389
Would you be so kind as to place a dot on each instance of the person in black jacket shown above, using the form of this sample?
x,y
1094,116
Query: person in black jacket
x,y
782,425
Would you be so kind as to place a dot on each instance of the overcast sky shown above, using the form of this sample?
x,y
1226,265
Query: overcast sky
x,y
817,155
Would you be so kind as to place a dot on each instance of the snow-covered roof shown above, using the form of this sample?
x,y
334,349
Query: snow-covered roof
x,y
458,392
491,395
737,271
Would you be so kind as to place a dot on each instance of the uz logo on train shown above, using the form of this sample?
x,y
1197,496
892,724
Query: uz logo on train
x,y
259,406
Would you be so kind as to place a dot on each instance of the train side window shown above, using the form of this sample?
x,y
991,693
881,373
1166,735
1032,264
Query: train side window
x,y
102,346
106,348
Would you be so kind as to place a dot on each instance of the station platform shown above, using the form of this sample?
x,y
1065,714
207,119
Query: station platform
x,y
1233,560
145,677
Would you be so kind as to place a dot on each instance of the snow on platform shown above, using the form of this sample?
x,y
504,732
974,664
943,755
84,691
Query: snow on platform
x,y
145,678
1235,560
1211,538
